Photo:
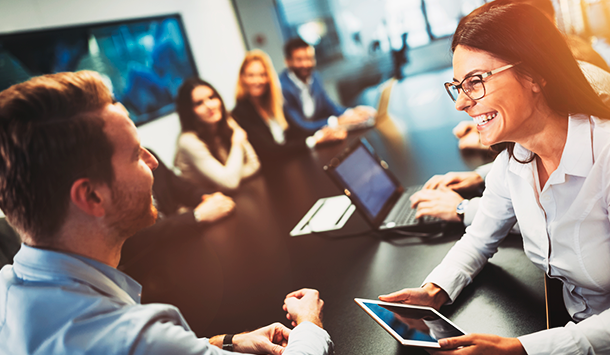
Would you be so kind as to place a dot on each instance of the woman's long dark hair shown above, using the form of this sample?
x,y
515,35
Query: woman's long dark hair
x,y
521,33
190,122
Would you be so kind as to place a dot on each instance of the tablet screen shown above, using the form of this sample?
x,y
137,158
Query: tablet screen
x,y
416,325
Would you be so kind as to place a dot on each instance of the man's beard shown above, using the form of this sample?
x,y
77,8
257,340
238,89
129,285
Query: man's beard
x,y
133,211
303,73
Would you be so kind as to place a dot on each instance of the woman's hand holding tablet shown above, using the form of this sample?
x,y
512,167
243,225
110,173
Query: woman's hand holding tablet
x,y
411,325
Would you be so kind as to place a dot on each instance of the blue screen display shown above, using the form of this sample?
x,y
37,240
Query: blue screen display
x,y
143,61
366,180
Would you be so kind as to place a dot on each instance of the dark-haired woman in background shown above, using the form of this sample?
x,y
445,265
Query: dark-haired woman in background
x,y
212,149
516,77
259,111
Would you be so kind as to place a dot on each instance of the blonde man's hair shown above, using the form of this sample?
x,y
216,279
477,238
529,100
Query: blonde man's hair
x,y
272,101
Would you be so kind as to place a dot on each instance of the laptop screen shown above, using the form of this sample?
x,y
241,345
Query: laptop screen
x,y
366,180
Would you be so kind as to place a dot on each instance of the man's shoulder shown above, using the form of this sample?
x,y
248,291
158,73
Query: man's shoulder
x,y
284,75
317,84
285,82
62,319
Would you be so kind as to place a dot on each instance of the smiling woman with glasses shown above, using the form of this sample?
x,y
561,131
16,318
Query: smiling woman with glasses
x,y
516,77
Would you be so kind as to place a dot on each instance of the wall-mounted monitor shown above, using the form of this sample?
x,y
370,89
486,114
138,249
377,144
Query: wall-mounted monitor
x,y
143,60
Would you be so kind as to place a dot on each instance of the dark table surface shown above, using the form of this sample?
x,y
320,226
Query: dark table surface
x,y
233,276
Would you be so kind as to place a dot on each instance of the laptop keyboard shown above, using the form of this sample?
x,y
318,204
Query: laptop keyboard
x,y
403,215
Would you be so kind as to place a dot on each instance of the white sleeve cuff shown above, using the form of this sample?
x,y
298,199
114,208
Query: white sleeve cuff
x,y
450,280
310,141
332,122
471,211
308,338
553,341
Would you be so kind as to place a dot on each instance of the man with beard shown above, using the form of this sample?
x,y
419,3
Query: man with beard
x,y
306,103
76,183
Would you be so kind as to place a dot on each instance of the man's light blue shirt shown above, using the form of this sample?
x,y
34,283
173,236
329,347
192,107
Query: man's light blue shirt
x,y
59,303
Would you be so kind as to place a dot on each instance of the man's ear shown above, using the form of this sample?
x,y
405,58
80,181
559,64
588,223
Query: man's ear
x,y
88,197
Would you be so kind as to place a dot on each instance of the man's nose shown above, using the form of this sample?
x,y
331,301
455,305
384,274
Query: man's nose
x,y
150,160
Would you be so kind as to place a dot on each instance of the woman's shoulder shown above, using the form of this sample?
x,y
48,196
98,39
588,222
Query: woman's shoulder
x,y
500,165
188,140
245,114
602,124
601,135
232,123
187,136
503,157
242,105
500,170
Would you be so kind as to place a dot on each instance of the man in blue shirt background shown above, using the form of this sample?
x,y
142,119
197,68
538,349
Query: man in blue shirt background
x,y
76,183
306,103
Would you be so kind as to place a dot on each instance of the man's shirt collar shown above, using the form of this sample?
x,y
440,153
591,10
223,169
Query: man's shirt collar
x,y
40,265
298,82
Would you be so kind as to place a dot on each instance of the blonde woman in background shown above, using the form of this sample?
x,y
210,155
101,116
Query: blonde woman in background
x,y
259,111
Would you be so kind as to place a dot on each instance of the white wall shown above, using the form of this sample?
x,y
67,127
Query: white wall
x,y
211,27
259,19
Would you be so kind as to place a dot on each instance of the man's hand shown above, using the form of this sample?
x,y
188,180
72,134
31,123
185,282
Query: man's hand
x,y
428,295
474,344
304,305
365,110
356,115
441,203
214,207
328,134
455,180
468,135
271,339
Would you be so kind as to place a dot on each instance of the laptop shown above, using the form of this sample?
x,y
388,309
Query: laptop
x,y
375,191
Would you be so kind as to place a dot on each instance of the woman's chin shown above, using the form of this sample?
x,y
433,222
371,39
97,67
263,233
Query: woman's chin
x,y
257,93
488,141
212,121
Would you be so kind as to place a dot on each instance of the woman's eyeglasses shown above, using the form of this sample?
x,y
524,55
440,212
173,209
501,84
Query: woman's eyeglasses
x,y
473,85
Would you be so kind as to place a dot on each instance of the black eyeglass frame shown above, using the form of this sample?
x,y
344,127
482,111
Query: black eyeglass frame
x,y
481,77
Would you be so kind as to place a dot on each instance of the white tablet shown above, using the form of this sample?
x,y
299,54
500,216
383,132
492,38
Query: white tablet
x,y
411,325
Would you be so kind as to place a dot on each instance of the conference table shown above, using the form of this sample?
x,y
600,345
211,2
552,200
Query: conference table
x,y
233,275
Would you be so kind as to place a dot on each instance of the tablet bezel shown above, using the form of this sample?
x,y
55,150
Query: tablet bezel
x,y
384,325
330,169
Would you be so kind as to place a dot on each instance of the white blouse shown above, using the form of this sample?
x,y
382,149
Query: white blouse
x,y
276,131
200,167
565,229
